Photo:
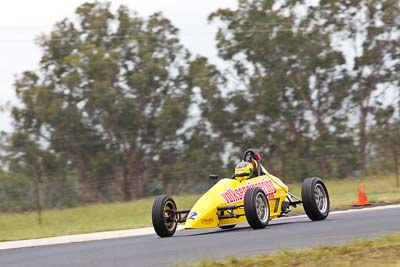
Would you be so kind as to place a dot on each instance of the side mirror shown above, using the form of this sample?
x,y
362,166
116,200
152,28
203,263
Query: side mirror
x,y
213,176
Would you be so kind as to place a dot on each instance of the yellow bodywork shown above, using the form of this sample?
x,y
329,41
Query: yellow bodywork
x,y
230,192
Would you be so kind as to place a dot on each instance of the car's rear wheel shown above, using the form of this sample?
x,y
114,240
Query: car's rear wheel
x,y
164,216
315,199
256,208
229,226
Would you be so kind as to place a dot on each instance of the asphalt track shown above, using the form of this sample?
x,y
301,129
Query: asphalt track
x,y
193,245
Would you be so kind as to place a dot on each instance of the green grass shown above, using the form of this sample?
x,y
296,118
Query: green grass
x,y
384,251
94,218
344,192
136,214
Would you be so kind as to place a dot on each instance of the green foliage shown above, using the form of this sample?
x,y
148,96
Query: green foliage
x,y
370,27
112,91
385,136
295,89
15,193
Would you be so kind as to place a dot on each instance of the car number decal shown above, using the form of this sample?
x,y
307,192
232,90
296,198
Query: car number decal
x,y
193,215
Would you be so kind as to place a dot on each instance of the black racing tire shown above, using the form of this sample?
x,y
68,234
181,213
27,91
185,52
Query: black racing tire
x,y
256,208
229,226
315,199
163,216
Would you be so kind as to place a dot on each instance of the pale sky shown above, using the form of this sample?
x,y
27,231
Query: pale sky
x,y
21,21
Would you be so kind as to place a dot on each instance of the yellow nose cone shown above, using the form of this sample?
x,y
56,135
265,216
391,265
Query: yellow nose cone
x,y
201,219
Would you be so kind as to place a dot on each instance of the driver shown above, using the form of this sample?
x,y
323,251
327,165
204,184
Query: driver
x,y
244,170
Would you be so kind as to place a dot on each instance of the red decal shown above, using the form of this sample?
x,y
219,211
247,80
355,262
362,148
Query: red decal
x,y
237,194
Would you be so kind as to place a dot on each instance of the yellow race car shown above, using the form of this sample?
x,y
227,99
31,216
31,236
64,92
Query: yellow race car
x,y
251,194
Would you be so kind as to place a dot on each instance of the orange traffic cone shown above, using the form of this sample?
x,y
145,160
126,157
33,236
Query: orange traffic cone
x,y
362,196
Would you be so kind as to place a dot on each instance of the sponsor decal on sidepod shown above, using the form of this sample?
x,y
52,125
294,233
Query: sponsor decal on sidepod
x,y
237,194
207,221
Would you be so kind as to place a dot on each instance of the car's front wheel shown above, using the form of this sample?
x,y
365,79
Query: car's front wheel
x,y
256,208
164,216
315,199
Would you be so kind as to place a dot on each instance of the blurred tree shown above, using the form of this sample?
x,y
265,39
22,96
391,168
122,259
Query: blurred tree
x,y
202,141
25,156
109,96
15,192
385,135
293,82
371,28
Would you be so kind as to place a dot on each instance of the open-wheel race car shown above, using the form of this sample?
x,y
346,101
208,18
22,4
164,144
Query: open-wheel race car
x,y
251,194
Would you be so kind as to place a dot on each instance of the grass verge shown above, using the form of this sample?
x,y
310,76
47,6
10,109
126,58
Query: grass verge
x,y
344,192
87,219
384,251
136,214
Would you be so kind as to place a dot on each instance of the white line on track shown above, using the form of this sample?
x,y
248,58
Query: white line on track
x,y
78,238
353,210
137,232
